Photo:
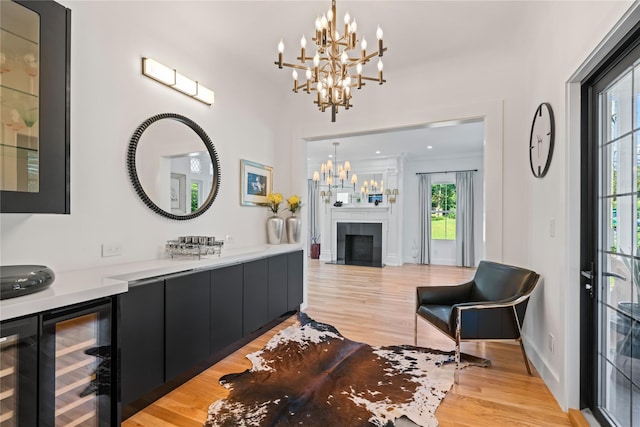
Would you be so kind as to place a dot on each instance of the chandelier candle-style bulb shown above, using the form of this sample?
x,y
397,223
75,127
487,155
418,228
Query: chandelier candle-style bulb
x,y
329,166
347,23
380,67
303,45
363,45
280,53
338,61
294,74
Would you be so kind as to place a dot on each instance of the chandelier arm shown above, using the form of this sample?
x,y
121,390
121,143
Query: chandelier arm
x,y
373,79
299,67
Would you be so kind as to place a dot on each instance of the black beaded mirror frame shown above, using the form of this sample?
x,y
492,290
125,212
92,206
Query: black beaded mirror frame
x,y
133,174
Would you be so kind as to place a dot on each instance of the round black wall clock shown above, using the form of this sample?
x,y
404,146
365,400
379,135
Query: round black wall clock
x,y
541,140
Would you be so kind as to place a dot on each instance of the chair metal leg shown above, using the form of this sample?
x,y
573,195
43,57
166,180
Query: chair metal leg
x,y
524,355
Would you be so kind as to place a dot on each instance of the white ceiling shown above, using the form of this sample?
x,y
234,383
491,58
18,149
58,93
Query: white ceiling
x,y
446,140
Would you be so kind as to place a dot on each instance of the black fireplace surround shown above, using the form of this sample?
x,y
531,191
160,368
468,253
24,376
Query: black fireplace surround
x,y
360,243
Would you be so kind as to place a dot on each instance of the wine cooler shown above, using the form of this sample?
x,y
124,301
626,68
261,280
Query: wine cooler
x,y
18,371
76,366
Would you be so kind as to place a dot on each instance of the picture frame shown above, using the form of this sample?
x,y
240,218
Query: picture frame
x,y
256,182
177,193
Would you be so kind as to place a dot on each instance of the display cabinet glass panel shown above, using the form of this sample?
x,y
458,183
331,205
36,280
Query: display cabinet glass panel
x,y
34,114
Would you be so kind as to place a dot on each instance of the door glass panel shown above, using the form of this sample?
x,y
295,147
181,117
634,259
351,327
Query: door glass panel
x,y
617,283
79,374
19,96
618,107
617,307
617,396
9,381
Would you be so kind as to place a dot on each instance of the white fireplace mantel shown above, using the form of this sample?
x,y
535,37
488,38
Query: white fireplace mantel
x,y
367,214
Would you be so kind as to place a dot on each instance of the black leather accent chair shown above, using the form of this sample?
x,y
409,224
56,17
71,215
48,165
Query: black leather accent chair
x,y
489,307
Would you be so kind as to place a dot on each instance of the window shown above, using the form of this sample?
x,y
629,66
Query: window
x,y
443,212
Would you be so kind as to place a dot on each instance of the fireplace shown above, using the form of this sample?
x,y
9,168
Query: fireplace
x,y
359,243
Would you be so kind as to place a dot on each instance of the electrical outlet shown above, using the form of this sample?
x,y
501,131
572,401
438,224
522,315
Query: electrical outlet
x,y
111,249
551,343
552,227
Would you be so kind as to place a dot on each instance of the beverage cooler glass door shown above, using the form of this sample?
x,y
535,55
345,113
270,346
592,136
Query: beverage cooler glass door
x,y
76,366
18,372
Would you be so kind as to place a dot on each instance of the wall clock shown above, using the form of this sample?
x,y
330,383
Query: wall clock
x,y
541,140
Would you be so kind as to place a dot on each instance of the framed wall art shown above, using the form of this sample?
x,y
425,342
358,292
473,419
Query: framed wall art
x,y
256,181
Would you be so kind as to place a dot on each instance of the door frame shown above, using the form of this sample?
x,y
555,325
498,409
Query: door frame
x,y
583,182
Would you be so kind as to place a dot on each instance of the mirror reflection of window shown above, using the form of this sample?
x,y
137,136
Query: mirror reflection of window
x,y
195,195
343,197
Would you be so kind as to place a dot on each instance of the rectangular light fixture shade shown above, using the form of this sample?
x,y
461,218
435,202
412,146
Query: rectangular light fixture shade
x,y
157,71
185,85
177,81
204,95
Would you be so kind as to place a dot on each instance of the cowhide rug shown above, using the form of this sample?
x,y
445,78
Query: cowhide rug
x,y
308,374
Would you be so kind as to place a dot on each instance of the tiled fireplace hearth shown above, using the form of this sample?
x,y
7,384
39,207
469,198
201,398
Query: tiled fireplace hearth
x,y
359,243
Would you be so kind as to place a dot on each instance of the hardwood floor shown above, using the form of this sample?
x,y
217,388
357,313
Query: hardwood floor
x,y
376,305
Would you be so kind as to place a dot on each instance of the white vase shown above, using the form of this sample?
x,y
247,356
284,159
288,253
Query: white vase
x,y
275,226
294,229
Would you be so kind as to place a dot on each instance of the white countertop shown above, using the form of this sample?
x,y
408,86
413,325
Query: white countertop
x,y
72,287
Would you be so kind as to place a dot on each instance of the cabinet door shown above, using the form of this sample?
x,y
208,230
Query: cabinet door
x,y
186,322
141,340
19,372
294,280
34,145
277,286
226,307
255,298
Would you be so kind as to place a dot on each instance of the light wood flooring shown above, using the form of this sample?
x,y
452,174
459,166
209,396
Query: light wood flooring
x,y
376,306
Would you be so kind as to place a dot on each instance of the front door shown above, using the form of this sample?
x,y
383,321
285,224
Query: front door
x,y
610,245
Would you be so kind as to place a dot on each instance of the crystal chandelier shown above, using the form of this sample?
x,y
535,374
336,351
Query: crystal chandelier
x,y
332,174
331,70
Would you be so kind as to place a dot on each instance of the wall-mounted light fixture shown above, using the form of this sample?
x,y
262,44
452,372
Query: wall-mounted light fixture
x,y
391,200
173,79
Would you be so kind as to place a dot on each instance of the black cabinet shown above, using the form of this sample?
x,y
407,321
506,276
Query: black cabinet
x,y
255,295
35,92
186,322
226,307
277,286
141,340
294,280
168,327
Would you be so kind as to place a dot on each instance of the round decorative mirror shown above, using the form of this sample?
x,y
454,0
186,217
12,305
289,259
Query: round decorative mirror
x,y
174,166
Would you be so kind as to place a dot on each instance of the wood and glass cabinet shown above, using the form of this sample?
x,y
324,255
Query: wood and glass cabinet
x,y
34,114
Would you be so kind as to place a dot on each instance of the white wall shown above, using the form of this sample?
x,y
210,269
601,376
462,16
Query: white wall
x,y
109,99
442,252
